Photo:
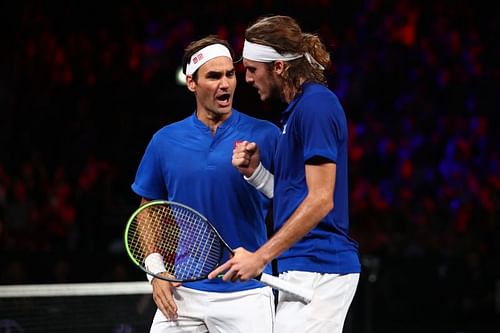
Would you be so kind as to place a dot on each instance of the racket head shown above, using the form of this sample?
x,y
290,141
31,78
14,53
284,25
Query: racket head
x,y
189,245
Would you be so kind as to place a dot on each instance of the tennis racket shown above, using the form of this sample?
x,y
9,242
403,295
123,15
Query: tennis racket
x,y
185,245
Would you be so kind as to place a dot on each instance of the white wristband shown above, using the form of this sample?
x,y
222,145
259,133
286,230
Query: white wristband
x,y
262,180
154,264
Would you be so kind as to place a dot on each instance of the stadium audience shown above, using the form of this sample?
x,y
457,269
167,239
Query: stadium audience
x,y
419,82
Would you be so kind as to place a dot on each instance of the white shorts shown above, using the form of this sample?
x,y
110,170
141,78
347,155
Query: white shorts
x,y
249,311
333,294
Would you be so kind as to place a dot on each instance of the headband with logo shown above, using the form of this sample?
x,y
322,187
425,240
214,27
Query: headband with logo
x,y
206,54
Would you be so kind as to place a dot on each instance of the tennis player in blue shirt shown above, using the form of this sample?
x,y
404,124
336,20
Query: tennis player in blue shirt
x,y
311,242
190,162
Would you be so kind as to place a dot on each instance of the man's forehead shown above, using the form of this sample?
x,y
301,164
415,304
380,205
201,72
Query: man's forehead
x,y
251,63
218,64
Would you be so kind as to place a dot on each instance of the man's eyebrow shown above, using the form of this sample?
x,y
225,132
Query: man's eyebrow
x,y
220,72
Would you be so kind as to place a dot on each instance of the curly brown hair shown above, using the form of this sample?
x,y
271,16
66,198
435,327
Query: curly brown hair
x,y
284,34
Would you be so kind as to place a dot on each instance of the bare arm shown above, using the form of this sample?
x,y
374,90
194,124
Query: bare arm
x,y
319,201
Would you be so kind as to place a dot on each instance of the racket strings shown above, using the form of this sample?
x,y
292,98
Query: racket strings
x,y
150,227
189,246
200,247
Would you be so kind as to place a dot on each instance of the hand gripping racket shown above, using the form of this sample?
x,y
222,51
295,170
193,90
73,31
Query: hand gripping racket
x,y
185,245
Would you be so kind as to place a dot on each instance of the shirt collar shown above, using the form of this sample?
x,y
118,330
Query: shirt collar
x,y
229,122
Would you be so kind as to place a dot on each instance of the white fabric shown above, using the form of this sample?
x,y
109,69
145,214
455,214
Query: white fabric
x,y
262,180
333,295
248,311
206,54
264,53
154,264
313,61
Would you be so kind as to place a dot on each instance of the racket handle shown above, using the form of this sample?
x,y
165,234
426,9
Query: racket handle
x,y
305,294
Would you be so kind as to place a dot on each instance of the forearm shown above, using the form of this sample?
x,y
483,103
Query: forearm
x,y
317,204
305,218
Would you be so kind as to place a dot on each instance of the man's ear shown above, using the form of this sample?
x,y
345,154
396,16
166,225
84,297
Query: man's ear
x,y
279,66
190,84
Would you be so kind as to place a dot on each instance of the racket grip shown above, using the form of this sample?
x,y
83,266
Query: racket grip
x,y
304,294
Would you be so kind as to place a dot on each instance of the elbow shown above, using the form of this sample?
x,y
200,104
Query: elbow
x,y
324,204
320,201
328,205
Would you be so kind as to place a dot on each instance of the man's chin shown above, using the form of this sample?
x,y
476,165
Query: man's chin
x,y
222,110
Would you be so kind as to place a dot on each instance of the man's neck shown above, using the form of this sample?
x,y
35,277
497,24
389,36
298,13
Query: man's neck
x,y
212,120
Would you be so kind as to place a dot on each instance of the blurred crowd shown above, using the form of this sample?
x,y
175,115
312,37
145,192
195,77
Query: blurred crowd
x,y
83,87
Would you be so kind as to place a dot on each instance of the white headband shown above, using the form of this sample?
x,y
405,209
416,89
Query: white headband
x,y
206,54
263,53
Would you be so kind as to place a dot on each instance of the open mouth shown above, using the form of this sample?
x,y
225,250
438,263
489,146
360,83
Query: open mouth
x,y
223,97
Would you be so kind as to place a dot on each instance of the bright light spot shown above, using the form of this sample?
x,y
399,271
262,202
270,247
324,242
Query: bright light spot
x,y
180,78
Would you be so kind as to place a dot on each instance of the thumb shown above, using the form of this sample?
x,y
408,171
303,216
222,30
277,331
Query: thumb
x,y
251,147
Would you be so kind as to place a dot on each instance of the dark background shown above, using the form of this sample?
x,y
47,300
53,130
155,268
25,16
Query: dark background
x,y
84,85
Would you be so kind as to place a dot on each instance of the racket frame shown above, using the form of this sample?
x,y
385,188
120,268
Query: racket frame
x,y
304,294
164,275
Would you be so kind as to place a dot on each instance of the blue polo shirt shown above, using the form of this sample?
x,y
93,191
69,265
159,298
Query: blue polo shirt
x,y
183,162
314,125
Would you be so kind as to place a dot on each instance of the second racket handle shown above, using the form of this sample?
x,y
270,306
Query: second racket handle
x,y
304,294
